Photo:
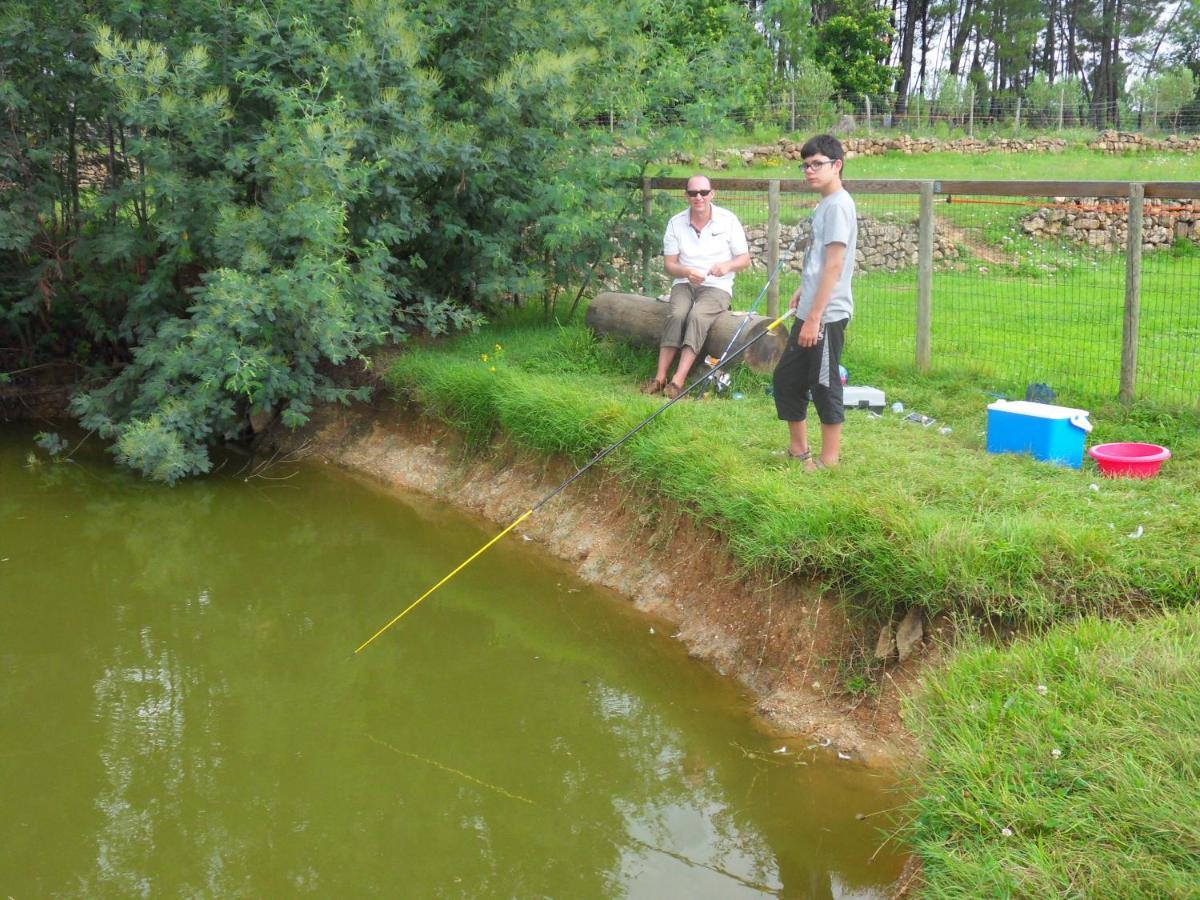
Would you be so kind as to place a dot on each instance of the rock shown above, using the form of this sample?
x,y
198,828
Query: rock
x,y
885,646
910,633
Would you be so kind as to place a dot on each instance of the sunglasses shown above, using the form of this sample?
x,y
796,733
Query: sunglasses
x,y
703,193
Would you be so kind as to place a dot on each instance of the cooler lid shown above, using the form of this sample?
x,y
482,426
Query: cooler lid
x,y
1038,410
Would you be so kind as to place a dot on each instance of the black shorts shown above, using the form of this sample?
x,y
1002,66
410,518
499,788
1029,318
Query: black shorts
x,y
811,373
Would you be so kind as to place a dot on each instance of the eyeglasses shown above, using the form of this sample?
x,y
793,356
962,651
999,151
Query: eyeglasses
x,y
699,193
816,164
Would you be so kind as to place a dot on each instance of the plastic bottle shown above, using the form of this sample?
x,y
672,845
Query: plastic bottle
x,y
897,407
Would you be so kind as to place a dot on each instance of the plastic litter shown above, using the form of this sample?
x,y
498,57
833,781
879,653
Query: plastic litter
x,y
738,395
1039,393
945,429
918,419
844,374
1137,532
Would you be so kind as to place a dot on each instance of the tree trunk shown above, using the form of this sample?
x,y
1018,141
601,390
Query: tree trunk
x,y
961,33
906,57
640,320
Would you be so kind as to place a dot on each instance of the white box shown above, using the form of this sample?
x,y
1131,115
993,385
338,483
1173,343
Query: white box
x,y
859,396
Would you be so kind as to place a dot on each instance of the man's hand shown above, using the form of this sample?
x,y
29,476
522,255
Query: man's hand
x,y
719,269
695,277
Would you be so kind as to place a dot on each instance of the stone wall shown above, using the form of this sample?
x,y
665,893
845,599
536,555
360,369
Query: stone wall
x,y
883,245
1104,224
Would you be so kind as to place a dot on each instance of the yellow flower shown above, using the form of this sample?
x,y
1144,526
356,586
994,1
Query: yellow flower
x,y
493,368
498,348
484,358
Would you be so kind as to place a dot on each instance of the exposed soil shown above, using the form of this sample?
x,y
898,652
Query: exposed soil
x,y
784,641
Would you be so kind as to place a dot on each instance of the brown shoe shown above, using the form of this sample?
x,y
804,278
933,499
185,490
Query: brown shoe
x,y
653,386
672,390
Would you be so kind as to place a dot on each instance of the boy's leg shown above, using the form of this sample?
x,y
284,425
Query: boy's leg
x,y
827,392
831,444
790,382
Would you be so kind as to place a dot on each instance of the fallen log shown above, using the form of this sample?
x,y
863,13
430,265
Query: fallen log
x,y
640,320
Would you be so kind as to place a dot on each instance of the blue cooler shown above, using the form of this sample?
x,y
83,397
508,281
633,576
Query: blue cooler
x,y
1053,433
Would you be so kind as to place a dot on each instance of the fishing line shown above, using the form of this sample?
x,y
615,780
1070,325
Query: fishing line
x,y
595,459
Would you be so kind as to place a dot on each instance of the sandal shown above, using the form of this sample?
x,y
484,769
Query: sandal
x,y
653,386
798,457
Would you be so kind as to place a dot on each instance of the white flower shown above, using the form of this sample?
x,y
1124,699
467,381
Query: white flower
x,y
1056,753
1007,832
1043,690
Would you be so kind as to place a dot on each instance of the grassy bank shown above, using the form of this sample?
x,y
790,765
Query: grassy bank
x,y
1067,766
913,517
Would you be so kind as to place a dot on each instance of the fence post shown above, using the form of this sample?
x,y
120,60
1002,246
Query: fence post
x,y
868,101
647,211
971,115
773,245
1017,129
1133,293
1061,97
925,276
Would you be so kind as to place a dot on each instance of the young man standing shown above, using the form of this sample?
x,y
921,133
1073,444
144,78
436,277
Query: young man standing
x,y
808,369
702,248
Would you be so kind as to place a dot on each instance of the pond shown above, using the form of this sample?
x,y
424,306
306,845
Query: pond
x,y
182,712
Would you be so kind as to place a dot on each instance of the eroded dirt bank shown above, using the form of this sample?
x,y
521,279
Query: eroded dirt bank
x,y
788,645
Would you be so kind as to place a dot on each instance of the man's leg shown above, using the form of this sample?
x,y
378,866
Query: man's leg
x,y
831,444
710,302
666,355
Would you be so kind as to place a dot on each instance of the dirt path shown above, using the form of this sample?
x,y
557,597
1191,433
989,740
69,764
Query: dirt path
x,y
782,640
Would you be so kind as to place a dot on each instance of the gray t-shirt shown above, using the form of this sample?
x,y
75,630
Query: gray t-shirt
x,y
835,220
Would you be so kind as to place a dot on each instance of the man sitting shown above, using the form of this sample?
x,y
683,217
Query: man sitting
x,y
702,248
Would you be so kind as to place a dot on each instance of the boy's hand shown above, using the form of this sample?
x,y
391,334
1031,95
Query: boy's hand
x,y
810,332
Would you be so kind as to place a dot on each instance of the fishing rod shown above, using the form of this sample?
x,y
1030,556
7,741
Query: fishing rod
x,y
562,487
723,381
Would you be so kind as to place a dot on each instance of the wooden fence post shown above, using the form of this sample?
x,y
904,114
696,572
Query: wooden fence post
x,y
772,245
925,276
647,211
1133,294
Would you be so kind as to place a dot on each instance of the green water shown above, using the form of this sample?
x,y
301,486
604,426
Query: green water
x,y
182,713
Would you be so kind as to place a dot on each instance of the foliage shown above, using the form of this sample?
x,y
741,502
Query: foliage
x,y
283,186
1164,94
855,49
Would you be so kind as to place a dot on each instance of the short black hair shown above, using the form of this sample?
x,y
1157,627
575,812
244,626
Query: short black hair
x,y
825,144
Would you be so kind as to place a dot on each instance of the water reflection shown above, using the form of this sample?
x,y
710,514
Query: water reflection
x,y
187,717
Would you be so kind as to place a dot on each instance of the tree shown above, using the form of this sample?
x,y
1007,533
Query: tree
x,y
855,49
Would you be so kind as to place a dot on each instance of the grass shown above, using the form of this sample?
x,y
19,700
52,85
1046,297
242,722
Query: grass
x,y
1066,766
912,517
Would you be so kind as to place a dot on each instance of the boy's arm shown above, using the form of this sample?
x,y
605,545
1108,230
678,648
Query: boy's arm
x,y
831,270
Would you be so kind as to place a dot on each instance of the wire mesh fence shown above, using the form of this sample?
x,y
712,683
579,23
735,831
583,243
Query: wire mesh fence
x,y
967,115
1028,282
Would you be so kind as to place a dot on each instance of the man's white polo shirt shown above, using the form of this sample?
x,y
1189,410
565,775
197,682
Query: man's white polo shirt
x,y
721,240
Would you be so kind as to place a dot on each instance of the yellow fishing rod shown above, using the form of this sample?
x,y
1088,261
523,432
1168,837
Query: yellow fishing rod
x,y
730,357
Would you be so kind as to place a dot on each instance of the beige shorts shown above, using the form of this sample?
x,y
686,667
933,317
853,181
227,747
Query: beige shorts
x,y
693,311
